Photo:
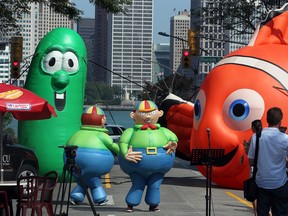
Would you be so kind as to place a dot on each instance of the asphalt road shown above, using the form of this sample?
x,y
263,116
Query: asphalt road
x,y
183,192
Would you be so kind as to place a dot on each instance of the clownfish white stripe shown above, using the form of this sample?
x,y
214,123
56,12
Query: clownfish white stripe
x,y
273,70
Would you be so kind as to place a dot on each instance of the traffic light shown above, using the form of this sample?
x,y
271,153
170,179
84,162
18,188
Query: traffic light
x,y
16,56
193,43
185,59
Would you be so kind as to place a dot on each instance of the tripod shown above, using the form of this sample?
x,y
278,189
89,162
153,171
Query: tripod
x,y
206,157
70,167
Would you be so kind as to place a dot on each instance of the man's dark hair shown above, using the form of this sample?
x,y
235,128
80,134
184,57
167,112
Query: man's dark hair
x,y
256,125
274,116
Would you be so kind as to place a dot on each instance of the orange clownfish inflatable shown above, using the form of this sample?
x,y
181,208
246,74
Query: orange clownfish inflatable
x,y
238,90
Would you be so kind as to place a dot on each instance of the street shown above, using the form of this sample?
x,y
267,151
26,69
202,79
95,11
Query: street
x,y
183,192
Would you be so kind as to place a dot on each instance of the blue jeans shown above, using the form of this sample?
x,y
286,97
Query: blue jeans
x,y
148,172
276,199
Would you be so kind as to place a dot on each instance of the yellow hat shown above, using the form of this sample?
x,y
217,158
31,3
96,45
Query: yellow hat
x,y
146,106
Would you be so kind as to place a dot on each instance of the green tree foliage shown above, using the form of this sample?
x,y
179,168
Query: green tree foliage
x,y
102,93
241,16
8,132
181,86
12,10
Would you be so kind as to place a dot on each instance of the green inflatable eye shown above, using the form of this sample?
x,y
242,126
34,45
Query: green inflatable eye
x,y
70,62
52,62
55,61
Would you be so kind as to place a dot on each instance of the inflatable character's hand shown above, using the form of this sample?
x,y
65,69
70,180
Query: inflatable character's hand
x,y
171,147
133,156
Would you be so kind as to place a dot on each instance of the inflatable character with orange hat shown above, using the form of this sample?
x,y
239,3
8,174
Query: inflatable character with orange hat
x,y
147,152
94,156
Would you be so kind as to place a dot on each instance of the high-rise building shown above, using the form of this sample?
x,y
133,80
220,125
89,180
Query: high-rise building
x,y
86,29
4,62
33,27
179,26
162,57
129,40
211,43
99,54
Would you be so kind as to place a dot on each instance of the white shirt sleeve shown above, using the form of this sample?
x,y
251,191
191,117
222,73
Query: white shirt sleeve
x,y
251,152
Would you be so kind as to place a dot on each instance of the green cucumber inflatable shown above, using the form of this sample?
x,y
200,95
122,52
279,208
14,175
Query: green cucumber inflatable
x,y
58,74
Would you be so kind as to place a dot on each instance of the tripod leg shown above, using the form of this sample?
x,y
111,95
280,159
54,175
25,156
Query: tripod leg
x,y
207,189
69,191
88,196
61,189
210,188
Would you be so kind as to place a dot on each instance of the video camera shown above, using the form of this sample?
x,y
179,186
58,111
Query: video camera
x,y
70,153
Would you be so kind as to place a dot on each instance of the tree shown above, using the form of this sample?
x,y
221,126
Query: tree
x,y
241,16
12,10
9,134
100,92
181,86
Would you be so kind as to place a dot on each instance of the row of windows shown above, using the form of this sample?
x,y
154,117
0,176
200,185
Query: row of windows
x,y
134,31
144,73
129,43
127,64
129,54
133,26
142,7
132,40
136,23
141,2
130,34
134,49
136,70
142,11
126,19
135,57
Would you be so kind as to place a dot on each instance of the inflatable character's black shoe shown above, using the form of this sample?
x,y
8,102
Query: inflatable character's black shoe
x,y
154,208
129,209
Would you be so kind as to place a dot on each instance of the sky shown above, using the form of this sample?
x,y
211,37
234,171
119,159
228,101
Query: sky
x,y
163,11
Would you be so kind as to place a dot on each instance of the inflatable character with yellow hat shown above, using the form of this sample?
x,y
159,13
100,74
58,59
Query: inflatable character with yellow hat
x,y
147,153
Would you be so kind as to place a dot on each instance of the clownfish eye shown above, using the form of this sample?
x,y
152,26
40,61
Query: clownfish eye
x,y
199,108
241,107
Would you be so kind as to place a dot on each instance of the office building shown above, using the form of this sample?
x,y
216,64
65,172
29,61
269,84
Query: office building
x,y
129,42
33,27
162,58
179,26
86,29
4,62
211,44
99,54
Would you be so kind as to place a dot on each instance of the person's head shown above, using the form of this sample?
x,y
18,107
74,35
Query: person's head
x,y
93,116
146,112
274,117
256,126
